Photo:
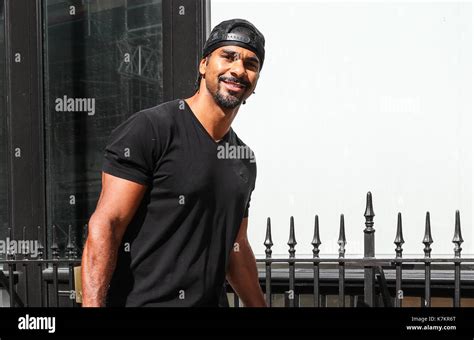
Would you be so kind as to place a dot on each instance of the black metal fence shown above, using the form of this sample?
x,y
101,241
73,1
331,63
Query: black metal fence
x,y
50,282
376,288
39,281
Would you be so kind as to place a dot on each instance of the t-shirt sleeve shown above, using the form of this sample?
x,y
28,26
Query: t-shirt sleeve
x,y
131,150
254,172
246,213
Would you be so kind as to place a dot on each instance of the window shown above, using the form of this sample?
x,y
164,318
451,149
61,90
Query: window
x,y
103,62
4,218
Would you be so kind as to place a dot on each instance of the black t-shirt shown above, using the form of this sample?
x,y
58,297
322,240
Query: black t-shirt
x,y
175,251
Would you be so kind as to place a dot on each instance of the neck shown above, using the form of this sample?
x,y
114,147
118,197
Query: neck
x,y
216,120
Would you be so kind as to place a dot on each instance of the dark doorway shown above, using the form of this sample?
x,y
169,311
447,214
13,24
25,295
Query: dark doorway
x,y
110,59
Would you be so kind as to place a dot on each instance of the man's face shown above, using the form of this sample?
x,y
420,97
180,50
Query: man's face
x,y
231,74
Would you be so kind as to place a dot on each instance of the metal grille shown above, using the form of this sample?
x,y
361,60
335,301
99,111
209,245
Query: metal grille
x,y
50,282
369,269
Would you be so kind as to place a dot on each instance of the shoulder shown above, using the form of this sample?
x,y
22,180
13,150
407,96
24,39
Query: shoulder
x,y
163,113
163,119
152,123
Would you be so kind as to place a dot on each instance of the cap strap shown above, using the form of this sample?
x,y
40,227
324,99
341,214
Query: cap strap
x,y
237,37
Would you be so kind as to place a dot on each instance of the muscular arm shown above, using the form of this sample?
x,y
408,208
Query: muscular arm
x,y
242,271
117,205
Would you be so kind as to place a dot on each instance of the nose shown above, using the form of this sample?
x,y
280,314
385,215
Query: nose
x,y
237,69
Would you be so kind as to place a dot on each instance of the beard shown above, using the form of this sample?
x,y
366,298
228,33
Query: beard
x,y
228,100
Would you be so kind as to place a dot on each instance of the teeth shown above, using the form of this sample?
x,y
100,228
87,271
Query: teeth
x,y
234,84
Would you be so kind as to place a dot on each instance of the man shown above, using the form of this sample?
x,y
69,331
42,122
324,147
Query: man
x,y
171,220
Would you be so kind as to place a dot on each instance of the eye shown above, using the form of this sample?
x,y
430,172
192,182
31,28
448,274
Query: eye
x,y
228,57
251,65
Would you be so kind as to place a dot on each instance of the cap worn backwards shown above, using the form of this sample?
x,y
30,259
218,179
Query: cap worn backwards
x,y
236,32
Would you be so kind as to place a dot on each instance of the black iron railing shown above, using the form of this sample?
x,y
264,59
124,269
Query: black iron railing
x,y
373,268
43,280
367,281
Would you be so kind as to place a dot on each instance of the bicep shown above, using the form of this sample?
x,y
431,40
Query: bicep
x,y
118,202
242,233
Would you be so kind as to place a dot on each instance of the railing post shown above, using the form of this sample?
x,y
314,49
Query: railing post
x,y
11,268
342,250
399,241
26,253
292,243
316,242
268,269
55,255
40,266
427,241
71,254
457,240
369,252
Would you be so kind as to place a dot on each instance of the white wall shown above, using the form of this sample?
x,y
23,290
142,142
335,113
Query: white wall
x,y
355,97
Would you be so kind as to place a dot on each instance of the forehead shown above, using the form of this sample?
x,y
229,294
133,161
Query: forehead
x,y
244,53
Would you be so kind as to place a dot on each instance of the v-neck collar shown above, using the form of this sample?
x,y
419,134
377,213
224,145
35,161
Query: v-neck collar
x,y
225,138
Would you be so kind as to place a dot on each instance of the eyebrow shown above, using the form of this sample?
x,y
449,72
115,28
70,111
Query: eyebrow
x,y
254,59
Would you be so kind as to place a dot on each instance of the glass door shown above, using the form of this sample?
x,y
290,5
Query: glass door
x,y
71,71
4,215
103,62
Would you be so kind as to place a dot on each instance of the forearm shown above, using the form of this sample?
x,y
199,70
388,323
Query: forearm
x,y
98,263
243,275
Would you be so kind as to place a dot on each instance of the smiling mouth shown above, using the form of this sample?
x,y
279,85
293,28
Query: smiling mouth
x,y
233,86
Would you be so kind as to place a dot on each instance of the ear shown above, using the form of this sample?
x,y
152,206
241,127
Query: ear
x,y
203,66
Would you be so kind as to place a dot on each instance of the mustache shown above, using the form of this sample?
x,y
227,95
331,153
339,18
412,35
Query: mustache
x,y
235,80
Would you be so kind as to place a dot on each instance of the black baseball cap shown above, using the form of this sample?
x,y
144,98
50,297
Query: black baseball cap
x,y
236,32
